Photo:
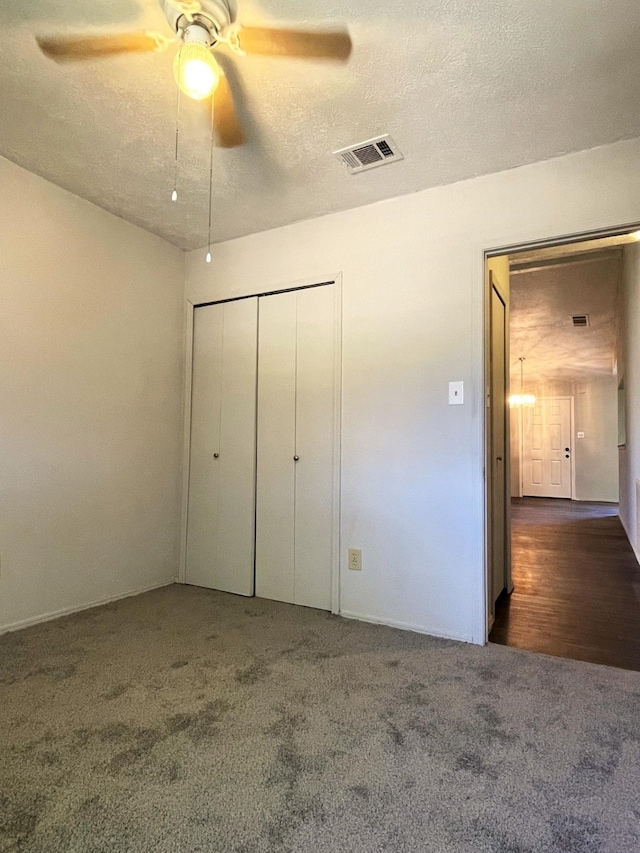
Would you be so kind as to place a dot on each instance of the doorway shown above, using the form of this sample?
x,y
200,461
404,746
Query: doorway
x,y
561,572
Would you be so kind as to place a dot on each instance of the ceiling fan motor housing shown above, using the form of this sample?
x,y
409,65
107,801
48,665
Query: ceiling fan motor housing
x,y
214,15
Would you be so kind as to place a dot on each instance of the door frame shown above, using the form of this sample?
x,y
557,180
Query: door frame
x,y
483,283
494,284
572,428
189,308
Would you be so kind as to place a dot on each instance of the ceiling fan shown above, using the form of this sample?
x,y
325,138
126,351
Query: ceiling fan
x,y
202,27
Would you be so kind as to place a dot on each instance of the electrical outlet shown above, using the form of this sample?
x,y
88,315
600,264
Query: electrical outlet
x,y
355,559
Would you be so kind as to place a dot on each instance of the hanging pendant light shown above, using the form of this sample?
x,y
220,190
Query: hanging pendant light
x,y
522,399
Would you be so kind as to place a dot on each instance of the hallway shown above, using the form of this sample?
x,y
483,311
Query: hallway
x,y
576,584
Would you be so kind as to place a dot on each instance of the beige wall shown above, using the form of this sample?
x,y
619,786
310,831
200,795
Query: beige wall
x,y
90,383
596,455
412,270
629,373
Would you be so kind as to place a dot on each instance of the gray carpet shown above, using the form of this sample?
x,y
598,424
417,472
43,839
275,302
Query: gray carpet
x,y
188,720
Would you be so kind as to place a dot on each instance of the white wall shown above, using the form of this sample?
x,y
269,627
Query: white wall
x,y
629,373
596,455
412,267
90,383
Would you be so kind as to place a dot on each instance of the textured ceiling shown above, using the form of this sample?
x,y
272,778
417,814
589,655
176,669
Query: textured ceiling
x,y
465,87
543,302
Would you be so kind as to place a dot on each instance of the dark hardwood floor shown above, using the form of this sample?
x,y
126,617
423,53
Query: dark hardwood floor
x,y
576,584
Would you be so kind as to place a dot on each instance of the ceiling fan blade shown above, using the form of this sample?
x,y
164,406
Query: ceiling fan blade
x,y
225,118
303,44
72,48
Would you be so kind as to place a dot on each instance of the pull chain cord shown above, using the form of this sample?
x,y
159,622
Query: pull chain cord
x,y
208,258
174,194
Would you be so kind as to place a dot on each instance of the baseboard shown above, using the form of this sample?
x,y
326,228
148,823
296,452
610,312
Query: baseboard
x,y
66,611
405,626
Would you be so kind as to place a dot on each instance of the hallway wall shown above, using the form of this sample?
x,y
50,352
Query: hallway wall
x,y
596,455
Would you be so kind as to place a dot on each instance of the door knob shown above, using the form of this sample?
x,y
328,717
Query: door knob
x,y
567,449
216,455
295,458
498,458
566,455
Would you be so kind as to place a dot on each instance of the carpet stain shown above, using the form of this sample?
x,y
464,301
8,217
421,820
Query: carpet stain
x,y
415,694
49,759
18,818
253,673
362,791
397,737
115,692
286,724
475,763
144,742
575,834
493,723
199,725
52,671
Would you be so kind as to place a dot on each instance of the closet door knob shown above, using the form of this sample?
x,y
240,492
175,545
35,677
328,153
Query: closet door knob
x,y
295,458
216,455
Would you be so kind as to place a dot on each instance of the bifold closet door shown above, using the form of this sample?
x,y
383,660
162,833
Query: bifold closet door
x,y
295,447
221,511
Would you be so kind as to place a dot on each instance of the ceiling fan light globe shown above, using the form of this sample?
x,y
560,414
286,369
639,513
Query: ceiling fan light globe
x,y
195,70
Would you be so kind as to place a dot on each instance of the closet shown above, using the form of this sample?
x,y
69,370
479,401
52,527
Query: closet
x,y
264,446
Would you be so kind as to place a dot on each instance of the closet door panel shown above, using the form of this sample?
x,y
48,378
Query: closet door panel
x,y
236,529
315,423
276,448
206,395
220,528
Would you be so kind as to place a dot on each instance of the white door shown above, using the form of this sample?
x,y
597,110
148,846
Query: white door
x,y
275,486
546,457
296,442
221,510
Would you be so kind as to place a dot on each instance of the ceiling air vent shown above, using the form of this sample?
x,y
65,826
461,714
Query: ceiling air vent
x,y
580,320
369,154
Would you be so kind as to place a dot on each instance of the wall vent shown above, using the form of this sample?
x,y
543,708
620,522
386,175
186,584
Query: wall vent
x,y
370,154
580,320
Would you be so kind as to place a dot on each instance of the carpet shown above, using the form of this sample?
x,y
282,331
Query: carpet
x,y
189,720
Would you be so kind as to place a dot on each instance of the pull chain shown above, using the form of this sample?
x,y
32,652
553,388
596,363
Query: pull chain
x,y
208,258
174,194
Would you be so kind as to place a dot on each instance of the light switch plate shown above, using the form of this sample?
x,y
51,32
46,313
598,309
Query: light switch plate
x,y
456,393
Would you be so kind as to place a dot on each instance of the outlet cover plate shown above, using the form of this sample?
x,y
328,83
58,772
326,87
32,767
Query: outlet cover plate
x,y
355,559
